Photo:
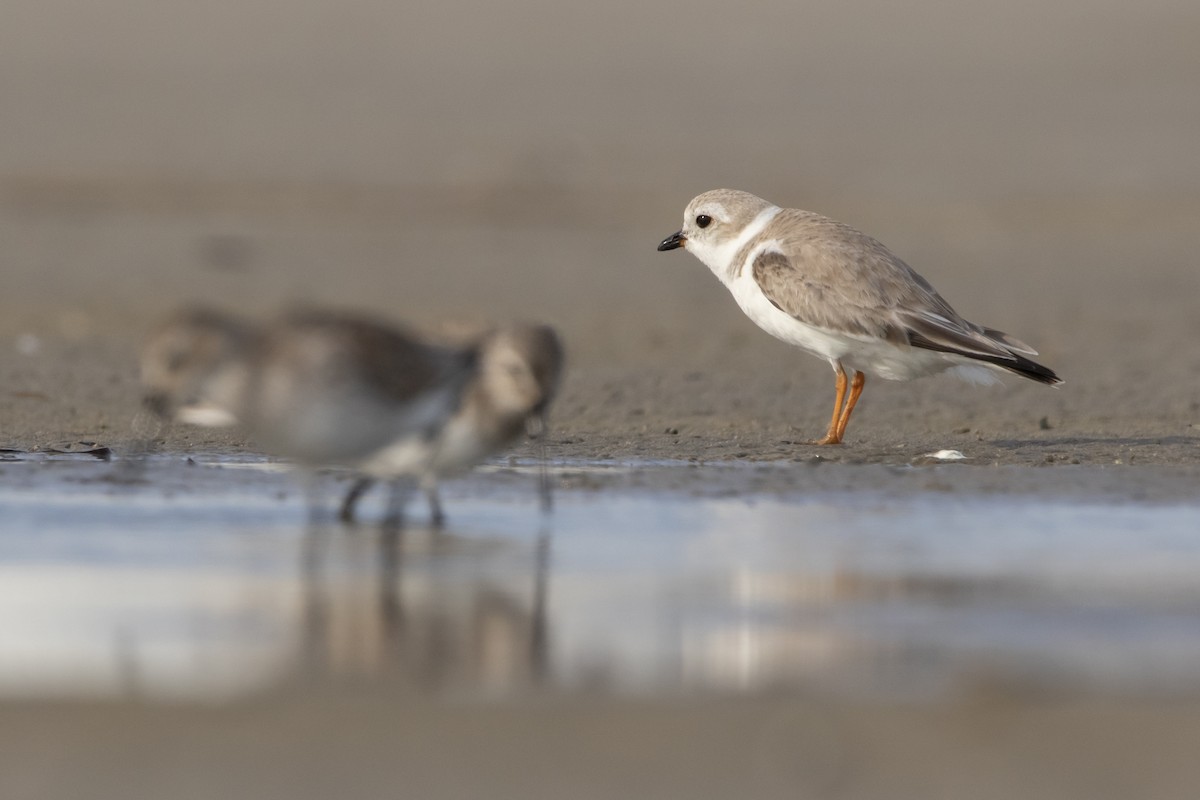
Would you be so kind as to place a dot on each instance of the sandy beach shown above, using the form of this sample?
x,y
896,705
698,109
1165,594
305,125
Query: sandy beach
x,y
447,166
990,746
1044,182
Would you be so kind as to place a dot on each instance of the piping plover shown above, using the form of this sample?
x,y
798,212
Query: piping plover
x,y
317,387
510,392
842,296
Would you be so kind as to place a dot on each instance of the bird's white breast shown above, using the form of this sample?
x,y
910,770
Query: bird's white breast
x,y
739,279
206,415
782,326
462,444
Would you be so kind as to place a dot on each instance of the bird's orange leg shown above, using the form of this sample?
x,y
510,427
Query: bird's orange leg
x,y
832,436
856,388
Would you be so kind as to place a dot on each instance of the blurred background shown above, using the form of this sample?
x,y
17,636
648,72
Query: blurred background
x,y
434,162
523,159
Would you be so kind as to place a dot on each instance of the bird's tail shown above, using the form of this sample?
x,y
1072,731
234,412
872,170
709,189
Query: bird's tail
x,y
985,345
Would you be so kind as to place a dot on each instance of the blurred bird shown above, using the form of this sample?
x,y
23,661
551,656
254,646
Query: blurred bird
x,y
327,389
196,367
317,387
515,381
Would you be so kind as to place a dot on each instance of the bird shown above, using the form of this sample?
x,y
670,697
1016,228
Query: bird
x,y
331,389
841,295
322,388
196,367
516,379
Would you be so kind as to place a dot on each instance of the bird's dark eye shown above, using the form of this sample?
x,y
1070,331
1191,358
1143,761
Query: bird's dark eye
x,y
704,220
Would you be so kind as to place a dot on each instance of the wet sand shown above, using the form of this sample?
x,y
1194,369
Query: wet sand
x,y
662,363
1037,164
351,744
706,385
1045,183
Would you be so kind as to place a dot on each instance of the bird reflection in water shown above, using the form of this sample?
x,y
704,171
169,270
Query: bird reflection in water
x,y
423,608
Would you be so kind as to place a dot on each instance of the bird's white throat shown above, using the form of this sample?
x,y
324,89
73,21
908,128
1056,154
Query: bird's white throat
x,y
719,257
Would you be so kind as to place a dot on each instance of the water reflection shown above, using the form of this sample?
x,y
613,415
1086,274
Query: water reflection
x,y
366,616
206,582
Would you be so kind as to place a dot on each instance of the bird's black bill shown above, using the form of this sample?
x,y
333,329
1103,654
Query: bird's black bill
x,y
673,241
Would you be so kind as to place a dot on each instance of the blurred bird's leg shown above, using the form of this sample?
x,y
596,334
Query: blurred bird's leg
x,y
357,490
538,428
437,515
400,490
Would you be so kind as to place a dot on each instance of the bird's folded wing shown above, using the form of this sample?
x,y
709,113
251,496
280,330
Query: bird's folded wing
x,y
876,297
815,300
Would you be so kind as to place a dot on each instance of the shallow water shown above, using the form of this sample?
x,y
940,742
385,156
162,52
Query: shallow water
x,y
166,577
